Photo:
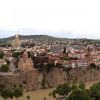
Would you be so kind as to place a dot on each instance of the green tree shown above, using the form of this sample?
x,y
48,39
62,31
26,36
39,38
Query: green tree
x,y
8,62
61,90
18,93
82,86
16,54
79,95
1,55
5,94
88,91
93,65
45,68
95,91
74,87
2,87
64,51
4,68
54,93
11,95
28,97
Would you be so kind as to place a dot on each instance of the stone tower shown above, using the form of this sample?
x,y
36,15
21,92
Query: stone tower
x,y
16,42
25,63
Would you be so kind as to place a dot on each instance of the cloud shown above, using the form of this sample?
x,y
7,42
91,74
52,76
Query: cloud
x,y
61,34
63,18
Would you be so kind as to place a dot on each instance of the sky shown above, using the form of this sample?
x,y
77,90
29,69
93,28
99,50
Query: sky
x,y
60,18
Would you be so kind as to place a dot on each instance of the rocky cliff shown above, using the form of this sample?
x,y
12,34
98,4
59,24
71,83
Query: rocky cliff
x,y
31,80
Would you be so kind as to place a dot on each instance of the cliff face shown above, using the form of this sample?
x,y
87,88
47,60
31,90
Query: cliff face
x,y
28,80
58,76
31,80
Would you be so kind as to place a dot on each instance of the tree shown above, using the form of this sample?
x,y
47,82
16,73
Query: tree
x,y
2,87
64,51
1,55
45,68
74,87
16,54
4,68
18,93
28,97
61,90
44,98
93,65
5,94
54,93
43,83
79,95
8,62
11,95
95,91
82,86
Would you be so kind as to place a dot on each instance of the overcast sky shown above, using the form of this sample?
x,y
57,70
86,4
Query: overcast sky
x,y
65,18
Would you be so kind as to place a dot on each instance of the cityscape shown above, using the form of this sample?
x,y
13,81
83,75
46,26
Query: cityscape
x,y
46,62
49,49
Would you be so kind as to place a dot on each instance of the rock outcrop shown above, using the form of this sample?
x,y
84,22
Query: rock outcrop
x,y
31,80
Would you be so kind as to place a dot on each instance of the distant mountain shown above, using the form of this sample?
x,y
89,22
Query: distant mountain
x,y
46,37
34,37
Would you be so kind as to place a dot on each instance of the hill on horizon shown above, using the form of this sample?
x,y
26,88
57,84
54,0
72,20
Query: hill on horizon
x,y
43,37
34,37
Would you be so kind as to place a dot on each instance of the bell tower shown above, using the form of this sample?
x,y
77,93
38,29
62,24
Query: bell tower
x,y
16,42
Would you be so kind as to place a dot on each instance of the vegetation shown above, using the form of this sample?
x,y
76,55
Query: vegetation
x,y
1,55
77,92
95,91
82,86
18,93
8,62
74,87
16,54
61,90
64,51
4,68
78,95
93,65
5,94
9,93
28,97
69,58
46,68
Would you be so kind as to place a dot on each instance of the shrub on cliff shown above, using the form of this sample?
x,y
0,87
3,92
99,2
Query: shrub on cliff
x,y
1,55
16,54
4,68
